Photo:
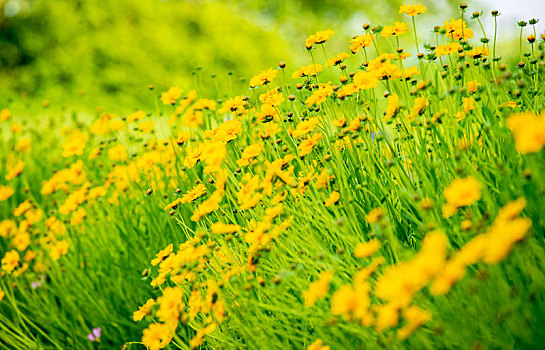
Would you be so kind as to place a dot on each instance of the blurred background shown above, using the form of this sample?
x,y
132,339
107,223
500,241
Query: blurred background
x,y
85,53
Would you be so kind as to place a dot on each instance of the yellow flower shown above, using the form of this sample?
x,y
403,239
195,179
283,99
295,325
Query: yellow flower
x,y
310,70
249,153
461,193
157,336
412,10
397,29
392,108
374,215
5,114
472,86
162,255
447,49
359,42
10,261
420,103
16,128
219,227
143,310
529,131
339,58
146,127
23,145
14,171
59,249
170,304
317,289
333,199
319,96
171,96
264,77
458,29
365,250
318,345
318,38
5,192
365,80
349,301
306,146
118,153
415,317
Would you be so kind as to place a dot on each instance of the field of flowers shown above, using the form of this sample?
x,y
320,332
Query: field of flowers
x,y
389,196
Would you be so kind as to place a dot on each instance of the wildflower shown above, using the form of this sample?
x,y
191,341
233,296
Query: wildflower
x,y
10,261
506,230
447,49
264,77
472,86
146,127
272,97
318,344
392,108
15,170
338,59
319,38
5,193
236,105
118,153
219,227
170,304
5,114
58,249
333,199
95,334
364,250
415,317
305,127
136,116
468,104
310,70
397,29
359,42
157,336
412,10
457,29
2,294
461,193
317,289
374,215
22,208
196,192
249,153
529,131
23,145
16,128
420,103
509,104
350,302
478,52
171,96
143,310
208,206
319,96
247,195
162,255
198,338
365,80
339,122
306,146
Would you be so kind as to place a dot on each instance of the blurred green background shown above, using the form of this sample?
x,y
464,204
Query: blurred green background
x,y
83,53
